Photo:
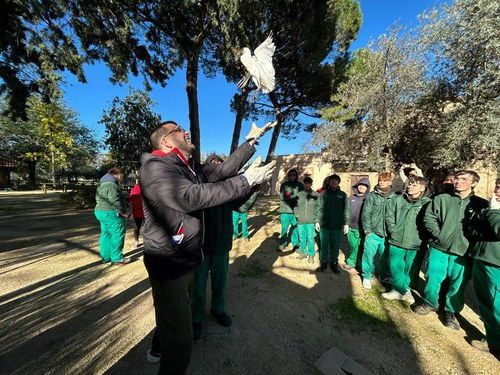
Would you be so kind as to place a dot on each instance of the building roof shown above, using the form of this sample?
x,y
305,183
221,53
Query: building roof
x,y
7,162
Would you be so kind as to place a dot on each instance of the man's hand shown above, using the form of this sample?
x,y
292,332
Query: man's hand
x,y
317,227
346,229
257,174
256,132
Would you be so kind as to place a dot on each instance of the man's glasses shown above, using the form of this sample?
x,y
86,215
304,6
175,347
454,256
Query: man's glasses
x,y
177,129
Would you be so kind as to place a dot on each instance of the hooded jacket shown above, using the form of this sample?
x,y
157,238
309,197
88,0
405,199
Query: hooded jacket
x,y
404,220
356,201
109,196
447,218
135,199
175,193
484,235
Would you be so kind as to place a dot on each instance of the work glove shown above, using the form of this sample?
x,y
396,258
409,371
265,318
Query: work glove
x,y
317,226
256,174
494,204
256,132
346,229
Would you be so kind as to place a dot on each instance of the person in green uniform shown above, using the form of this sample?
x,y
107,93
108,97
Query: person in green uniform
x,y
404,215
288,201
484,235
332,217
241,213
373,222
111,211
304,211
445,219
355,235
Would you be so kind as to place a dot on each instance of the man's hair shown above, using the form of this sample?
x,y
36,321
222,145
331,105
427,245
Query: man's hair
x,y
115,171
385,176
307,180
475,176
335,177
292,171
417,180
497,182
158,133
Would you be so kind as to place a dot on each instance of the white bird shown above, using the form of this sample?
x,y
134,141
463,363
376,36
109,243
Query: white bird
x,y
259,67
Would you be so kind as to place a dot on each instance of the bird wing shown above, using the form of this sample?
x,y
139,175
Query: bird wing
x,y
263,55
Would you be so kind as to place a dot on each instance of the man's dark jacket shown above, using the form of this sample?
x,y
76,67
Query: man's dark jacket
x,y
174,196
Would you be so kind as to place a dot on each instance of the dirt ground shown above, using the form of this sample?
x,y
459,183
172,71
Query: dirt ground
x,y
63,312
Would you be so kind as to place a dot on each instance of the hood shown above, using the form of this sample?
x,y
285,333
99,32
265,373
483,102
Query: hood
x,y
212,157
363,181
108,178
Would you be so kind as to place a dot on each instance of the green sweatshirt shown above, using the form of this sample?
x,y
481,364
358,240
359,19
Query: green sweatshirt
x,y
333,209
404,220
109,197
306,206
446,217
484,235
288,195
373,215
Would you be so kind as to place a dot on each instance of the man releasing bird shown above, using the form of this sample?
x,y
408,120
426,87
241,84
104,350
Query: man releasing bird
x,y
259,67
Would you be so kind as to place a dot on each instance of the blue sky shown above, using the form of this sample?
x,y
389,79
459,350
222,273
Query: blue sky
x,y
214,95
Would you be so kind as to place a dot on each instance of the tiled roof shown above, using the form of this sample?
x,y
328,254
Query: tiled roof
x,y
6,162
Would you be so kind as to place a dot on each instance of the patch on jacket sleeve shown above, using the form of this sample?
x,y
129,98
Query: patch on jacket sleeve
x,y
176,239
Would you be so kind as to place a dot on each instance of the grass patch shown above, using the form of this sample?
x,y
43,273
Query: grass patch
x,y
254,270
363,311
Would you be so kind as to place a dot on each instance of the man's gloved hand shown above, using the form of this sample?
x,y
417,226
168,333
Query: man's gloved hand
x,y
346,229
494,204
256,132
256,174
317,227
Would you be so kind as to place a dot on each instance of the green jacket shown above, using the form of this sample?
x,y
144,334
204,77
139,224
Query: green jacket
x,y
245,207
218,229
404,220
446,218
333,209
484,235
109,196
373,214
288,195
306,206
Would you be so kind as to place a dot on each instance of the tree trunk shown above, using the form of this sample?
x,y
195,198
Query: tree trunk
x,y
53,162
32,173
277,129
192,94
240,114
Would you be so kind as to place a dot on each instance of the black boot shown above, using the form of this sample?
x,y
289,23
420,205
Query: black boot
x,y
322,267
335,268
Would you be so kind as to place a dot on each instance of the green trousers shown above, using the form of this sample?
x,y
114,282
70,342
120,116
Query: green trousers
x,y
374,244
330,243
417,266
486,278
354,239
112,235
306,236
217,266
289,220
244,225
401,261
172,300
457,268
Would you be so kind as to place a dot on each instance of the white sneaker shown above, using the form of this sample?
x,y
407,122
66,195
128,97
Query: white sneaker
x,y
393,294
408,297
136,244
367,284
